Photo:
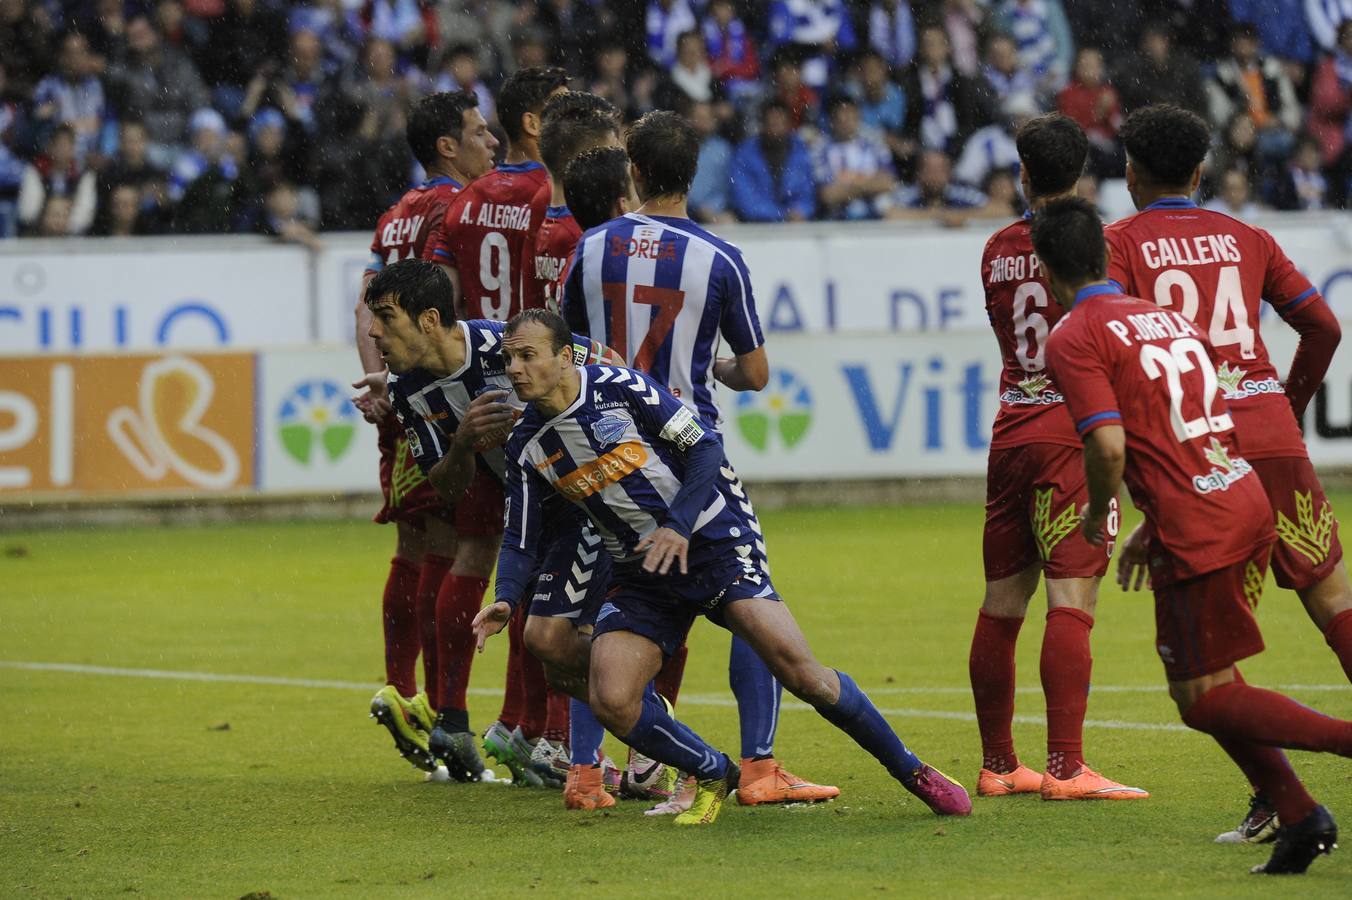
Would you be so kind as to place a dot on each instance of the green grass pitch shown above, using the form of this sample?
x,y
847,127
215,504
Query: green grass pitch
x,y
117,785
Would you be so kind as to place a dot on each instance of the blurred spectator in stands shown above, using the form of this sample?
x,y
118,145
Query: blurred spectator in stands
x,y
54,220
132,165
58,173
1160,73
882,103
708,199
575,26
1111,27
1013,83
298,89
274,155
157,86
1330,120
380,91
207,132
1246,81
944,107
667,21
358,174
962,21
788,88
1199,28
120,215
817,29
772,172
282,217
935,193
1236,148
732,53
1042,36
1282,27
1235,197
11,166
992,149
1301,185
891,32
1092,102
691,79
338,32
1087,188
106,29
173,26
410,26
486,25
531,48
73,96
1001,188
612,63
1325,17
460,72
853,166
247,38
25,43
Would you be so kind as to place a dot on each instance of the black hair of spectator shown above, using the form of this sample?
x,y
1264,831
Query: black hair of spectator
x,y
560,335
692,34
594,182
461,49
1053,149
1245,30
63,129
1068,239
774,104
415,286
525,91
434,117
664,147
573,122
838,101
1165,144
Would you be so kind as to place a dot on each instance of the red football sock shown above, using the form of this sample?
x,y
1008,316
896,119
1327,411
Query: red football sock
x,y
514,691
669,677
457,604
1272,776
1245,713
433,572
535,691
991,669
1339,637
556,720
399,616
1066,663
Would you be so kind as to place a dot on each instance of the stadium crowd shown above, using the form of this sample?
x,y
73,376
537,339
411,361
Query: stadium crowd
x,y
123,117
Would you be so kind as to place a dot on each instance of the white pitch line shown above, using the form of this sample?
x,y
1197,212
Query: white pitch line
x,y
686,699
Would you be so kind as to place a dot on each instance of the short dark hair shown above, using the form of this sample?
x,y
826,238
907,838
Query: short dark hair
x,y
774,105
560,335
1052,149
664,147
1166,143
1068,239
574,121
838,101
415,286
526,90
436,116
593,182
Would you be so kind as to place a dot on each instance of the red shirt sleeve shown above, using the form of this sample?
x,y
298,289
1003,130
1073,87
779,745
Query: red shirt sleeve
x,y
1283,285
1118,268
1080,370
438,246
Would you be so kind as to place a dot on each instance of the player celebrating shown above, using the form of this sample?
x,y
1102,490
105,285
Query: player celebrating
x,y
1034,486
1140,387
451,140
663,292
653,479
1217,271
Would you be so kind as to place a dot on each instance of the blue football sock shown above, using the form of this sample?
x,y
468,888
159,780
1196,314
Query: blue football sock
x,y
658,736
855,714
758,694
585,734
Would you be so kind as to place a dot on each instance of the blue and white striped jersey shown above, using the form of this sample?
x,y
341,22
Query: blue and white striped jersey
x,y
620,452
661,291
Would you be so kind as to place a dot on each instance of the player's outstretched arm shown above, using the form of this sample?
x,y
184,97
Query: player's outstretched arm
x,y
1105,456
745,372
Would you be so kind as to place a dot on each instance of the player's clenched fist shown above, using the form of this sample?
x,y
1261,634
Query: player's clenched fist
x,y
488,421
490,620
664,547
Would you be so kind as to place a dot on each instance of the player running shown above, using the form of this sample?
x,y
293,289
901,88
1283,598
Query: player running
x,y
655,483
663,292
1141,388
451,140
1217,272
1034,488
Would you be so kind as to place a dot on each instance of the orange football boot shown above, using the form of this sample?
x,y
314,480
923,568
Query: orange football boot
x,y
766,781
1087,784
584,790
1022,780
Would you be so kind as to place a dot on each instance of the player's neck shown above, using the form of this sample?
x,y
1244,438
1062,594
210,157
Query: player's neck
x,y
1153,196
1037,201
1067,300
556,197
562,397
518,153
447,171
673,206
448,353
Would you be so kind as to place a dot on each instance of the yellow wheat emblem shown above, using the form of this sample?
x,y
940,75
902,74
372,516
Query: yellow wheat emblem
x,y
1308,536
1048,531
406,475
1253,584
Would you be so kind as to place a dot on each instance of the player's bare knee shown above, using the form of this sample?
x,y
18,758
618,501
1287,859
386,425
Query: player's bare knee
x,y
808,680
1329,597
616,706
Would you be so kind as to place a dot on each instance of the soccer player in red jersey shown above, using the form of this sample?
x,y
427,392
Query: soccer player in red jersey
x,y
451,140
1035,486
1217,272
485,238
1141,389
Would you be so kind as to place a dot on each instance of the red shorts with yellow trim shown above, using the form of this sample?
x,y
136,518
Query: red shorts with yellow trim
x,y
1206,624
1307,548
408,494
480,513
1033,498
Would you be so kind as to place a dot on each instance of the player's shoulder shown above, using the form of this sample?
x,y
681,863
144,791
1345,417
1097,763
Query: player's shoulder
x,y
409,383
609,379
484,335
1017,233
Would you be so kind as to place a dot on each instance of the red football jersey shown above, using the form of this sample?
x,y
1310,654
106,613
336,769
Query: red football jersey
x,y
1124,361
1216,271
554,245
486,235
401,233
1022,312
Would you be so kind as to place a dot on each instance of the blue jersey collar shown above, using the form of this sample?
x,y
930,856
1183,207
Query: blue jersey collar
x,y
1094,290
559,212
440,180
1172,203
529,165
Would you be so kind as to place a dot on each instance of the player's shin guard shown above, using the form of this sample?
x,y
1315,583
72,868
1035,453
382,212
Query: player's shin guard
x,y
991,669
1271,775
1245,713
658,736
514,691
1338,634
585,734
457,604
1065,666
399,618
433,572
855,714
669,677
758,696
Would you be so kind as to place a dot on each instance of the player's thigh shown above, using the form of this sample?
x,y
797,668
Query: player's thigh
x,y
622,664
410,541
555,641
439,534
770,629
478,526
1007,544
1007,598
1307,549
1059,491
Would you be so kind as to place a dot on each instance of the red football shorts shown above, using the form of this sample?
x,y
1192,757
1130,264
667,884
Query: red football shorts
x,y
1033,498
480,512
1307,546
1206,624
408,494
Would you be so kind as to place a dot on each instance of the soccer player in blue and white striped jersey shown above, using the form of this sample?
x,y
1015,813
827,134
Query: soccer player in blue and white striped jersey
x,y
652,477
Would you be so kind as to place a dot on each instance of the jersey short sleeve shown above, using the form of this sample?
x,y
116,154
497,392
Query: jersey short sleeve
x,y
740,323
438,246
1118,268
1078,368
1283,286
